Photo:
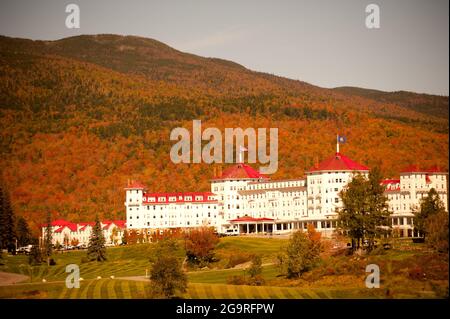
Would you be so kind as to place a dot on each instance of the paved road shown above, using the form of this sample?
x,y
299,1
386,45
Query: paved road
x,y
7,278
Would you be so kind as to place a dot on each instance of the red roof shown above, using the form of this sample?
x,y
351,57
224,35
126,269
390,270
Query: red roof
x,y
169,198
417,169
62,223
251,219
241,171
118,223
135,185
74,226
392,185
338,162
390,181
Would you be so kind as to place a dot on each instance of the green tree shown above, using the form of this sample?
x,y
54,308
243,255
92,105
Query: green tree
x,y
255,268
255,272
429,206
96,248
7,221
48,238
23,232
364,215
125,237
437,230
166,272
302,253
35,257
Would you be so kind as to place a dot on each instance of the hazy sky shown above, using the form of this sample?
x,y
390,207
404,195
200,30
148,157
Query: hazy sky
x,y
325,43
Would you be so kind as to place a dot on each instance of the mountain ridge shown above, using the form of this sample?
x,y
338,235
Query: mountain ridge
x,y
80,117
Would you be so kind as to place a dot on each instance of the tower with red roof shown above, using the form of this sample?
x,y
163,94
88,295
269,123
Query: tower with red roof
x,y
324,182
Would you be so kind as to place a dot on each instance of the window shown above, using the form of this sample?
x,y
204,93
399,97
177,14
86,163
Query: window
x,y
336,200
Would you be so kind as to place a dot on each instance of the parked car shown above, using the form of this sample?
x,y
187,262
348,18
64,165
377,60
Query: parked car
x,y
24,250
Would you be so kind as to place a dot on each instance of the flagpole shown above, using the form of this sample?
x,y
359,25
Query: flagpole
x,y
337,143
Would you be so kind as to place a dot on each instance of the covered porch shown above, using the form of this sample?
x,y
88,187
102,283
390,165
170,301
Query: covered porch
x,y
252,225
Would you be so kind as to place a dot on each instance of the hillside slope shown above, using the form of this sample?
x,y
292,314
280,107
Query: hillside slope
x,y
80,116
433,105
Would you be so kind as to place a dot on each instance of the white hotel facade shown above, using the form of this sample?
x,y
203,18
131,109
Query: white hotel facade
x,y
242,200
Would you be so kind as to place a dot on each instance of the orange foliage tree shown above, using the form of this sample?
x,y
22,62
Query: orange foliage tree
x,y
200,244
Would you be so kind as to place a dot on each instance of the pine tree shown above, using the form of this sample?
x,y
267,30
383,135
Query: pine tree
x,y
96,249
23,232
7,221
48,238
35,257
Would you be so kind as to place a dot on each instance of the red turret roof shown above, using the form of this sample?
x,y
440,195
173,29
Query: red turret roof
x,y
241,171
338,162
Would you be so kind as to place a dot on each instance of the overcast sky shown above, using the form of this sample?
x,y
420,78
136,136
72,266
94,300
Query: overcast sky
x,y
325,43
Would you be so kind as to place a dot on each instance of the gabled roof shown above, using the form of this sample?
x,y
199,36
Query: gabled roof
x,y
338,162
240,171
390,181
61,224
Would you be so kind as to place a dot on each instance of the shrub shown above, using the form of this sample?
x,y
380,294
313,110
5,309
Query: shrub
x,y
257,280
416,273
238,258
236,280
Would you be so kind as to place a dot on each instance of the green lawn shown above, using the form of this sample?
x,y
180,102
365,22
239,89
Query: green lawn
x,y
332,279
128,289
220,276
122,261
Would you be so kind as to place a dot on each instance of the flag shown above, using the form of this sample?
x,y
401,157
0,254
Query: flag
x,y
427,179
242,148
341,139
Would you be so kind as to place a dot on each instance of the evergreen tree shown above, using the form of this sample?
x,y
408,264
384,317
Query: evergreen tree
x,y
125,237
35,257
48,238
96,248
377,220
365,214
7,221
429,206
23,232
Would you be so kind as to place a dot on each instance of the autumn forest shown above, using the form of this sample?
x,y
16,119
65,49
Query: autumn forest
x,y
80,116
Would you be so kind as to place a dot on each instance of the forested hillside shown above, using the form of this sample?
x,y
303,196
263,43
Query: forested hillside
x,y
80,116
